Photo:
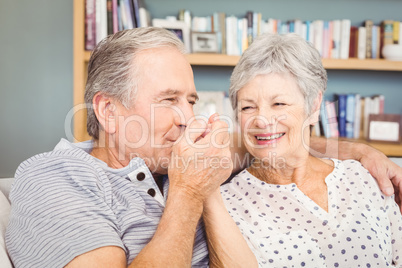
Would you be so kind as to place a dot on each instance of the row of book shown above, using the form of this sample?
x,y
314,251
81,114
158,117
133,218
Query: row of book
x,y
348,115
105,17
336,39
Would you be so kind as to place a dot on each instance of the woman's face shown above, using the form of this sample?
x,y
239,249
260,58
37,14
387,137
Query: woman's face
x,y
272,116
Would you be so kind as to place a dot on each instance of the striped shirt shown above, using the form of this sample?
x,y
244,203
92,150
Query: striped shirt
x,y
66,202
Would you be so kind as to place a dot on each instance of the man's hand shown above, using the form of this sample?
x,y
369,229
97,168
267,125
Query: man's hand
x,y
201,160
387,173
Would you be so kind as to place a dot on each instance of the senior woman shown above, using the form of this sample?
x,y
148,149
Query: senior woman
x,y
295,209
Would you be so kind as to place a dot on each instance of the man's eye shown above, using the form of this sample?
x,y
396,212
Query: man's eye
x,y
279,104
170,99
192,102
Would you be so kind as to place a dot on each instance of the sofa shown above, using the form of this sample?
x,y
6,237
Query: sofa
x,y
5,185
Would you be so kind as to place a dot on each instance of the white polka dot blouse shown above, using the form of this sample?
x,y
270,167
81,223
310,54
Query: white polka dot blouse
x,y
285,228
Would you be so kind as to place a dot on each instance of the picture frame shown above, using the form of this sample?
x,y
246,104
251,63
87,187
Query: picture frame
x,y
180,28
385,128
204,42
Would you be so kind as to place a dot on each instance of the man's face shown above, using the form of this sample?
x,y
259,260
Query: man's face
x,y
162,108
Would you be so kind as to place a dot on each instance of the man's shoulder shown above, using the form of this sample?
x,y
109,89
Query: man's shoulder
x,y
57,158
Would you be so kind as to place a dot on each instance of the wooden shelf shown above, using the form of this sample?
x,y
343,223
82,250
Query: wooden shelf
x,y
389,149
208,59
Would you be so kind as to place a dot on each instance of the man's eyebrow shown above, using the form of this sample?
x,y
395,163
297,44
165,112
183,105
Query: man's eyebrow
x,y
169,92
195,96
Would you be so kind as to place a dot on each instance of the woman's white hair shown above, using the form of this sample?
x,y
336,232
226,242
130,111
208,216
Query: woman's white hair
x,y
282,54
113,69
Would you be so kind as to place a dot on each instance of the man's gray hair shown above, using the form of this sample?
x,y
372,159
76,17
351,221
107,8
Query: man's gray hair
x,y
113,70
282,54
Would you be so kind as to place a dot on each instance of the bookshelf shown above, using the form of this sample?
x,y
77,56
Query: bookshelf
x,y
81,58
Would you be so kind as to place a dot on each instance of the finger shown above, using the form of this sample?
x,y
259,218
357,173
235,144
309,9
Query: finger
x,y
195,131
383,181
213,118
219,133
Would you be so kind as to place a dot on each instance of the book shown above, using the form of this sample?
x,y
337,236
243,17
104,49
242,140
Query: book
x,y
345,38
90,25
318,35
101,20
357,120
136,12
109,10
250,17
375,44
361,43
369,39
115,16
336,39
332,119
222,30
396,32
350,115
387,32
232,47
354,40
324,119
341,99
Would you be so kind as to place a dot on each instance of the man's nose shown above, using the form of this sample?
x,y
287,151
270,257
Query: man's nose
x,y
186,113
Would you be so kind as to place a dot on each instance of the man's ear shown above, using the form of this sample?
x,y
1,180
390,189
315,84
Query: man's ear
x,y
106,112
315,110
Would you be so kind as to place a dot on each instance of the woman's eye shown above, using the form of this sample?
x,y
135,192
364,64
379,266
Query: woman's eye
x,y
170,99
247,108
279,104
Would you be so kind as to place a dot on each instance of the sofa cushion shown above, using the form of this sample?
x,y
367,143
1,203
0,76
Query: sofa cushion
x,y
4,216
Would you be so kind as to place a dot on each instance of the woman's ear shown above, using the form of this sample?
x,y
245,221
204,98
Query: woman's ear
x,y
315,110
105,111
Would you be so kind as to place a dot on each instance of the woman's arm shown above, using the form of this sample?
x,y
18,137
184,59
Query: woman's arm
x,y
226,245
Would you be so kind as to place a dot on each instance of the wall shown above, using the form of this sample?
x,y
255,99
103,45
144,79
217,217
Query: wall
x,y
35,77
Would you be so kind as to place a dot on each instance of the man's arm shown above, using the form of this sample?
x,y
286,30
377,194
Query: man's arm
x,y
171,246
387,173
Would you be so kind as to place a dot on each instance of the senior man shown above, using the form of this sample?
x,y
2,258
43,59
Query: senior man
x,y
134,195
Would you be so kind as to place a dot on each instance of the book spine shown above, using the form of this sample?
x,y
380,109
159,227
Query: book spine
x,y
342,114
395,32
336,37
90,25
369,25
318,35
350,115
361,46
109,15
136,13
357,121
115,16
249,16
332,120
374,42
345,38
324,119
387,32
354,36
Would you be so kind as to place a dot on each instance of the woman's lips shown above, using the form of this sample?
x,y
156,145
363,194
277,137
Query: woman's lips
x,y
263,139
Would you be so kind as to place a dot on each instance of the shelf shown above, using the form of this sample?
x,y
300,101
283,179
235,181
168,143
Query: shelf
x,y
331,64
389,149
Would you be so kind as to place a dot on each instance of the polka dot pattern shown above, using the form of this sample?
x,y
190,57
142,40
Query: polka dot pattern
x,y
285,228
